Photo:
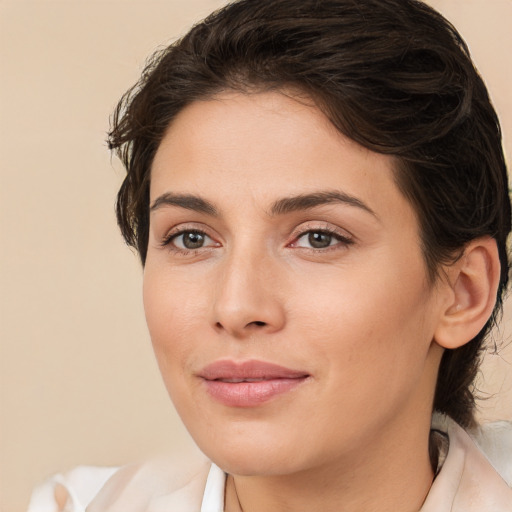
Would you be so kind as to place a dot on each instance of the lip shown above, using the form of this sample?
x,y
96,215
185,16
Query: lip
x,y
249,383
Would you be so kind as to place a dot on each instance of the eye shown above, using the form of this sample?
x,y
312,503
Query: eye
x,y
320,239
190,240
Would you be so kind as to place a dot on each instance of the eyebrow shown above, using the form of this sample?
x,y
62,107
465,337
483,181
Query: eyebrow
x,y
280,207
308,201
187,201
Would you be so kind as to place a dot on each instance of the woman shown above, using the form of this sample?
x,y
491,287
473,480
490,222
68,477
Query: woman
x,y
318,195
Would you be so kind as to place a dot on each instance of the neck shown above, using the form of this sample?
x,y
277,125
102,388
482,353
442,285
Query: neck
x,y
390,474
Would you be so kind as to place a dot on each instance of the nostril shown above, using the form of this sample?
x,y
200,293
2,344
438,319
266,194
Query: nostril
x,y
256,323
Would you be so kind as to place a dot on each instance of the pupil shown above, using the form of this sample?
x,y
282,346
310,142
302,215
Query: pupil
x,y
319,240
193,240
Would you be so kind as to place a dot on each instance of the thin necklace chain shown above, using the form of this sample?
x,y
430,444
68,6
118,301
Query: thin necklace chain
x,y
236,494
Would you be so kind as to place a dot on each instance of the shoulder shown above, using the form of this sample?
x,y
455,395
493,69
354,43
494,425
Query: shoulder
x,y
476,469
495,440
163,483
72,490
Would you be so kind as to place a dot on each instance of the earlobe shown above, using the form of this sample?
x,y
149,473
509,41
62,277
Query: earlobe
x,y
474,281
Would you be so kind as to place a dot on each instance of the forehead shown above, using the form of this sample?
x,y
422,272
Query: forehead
x,y
254,146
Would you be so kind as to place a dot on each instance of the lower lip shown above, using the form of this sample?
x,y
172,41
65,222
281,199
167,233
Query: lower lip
x,y
250,394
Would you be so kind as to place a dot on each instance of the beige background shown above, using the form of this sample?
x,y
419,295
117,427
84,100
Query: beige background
x,y
78,381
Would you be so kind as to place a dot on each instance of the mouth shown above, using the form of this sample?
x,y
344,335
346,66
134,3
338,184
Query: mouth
x,y
249,383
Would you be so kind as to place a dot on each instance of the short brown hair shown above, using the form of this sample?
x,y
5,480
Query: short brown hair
x,y
393,75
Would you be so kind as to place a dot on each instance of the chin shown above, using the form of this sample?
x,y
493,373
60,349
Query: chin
x,y
254,464
255,455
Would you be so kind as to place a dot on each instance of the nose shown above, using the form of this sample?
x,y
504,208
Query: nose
x,y
248,296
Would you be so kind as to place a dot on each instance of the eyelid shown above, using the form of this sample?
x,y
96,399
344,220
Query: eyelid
x,y
342,235
180,229
172,240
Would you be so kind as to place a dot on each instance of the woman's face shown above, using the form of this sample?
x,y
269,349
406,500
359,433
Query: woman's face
x,y
285,290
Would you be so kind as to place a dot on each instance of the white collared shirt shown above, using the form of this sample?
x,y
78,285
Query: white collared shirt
x,y
468,481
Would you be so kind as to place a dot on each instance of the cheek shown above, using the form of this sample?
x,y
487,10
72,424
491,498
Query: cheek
x,y
367,324
170,315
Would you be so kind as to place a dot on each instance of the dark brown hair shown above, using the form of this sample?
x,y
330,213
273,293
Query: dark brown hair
x,y
393,75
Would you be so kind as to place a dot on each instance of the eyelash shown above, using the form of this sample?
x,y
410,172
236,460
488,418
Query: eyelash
x,y
167,241
342,240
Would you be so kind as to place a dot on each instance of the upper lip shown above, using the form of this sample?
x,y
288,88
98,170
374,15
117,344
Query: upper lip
x,y
226,369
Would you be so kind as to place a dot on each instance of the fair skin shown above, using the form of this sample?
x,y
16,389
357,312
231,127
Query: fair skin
x,y
243,269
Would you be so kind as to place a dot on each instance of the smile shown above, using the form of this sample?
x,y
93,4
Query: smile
x,y
249,383
236,381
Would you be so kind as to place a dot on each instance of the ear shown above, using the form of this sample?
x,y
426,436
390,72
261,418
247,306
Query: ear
x,y
474,280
